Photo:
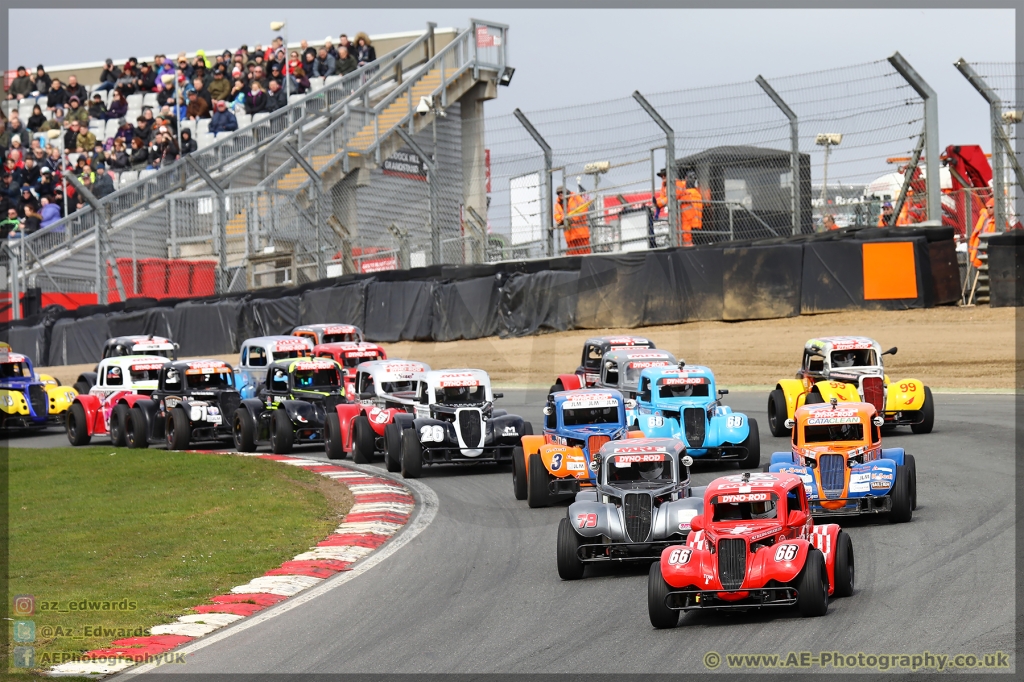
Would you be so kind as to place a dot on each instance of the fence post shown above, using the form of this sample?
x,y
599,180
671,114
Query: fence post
x,y
995,106
547,218
670,167
931,134
221,227
319,197
435,229
14,263
794,141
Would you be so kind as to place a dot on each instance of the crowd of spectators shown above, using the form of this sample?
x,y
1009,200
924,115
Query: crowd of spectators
x,y
218,88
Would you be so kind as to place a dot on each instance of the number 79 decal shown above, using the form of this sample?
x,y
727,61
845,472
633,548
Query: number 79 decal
x,y
586,520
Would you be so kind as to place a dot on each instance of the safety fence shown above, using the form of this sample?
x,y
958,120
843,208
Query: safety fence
x,y
850,269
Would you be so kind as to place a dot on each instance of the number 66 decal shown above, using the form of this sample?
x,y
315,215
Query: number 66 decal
x,y
678,557
786,552
586,520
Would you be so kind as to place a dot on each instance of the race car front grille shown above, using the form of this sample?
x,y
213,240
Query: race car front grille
x,y
37,396
594,444
637,508
873,392
470,427
229,402
832,475
732,562
333,400
693,423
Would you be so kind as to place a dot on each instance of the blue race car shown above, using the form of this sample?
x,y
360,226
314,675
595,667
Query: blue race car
x,y
682,402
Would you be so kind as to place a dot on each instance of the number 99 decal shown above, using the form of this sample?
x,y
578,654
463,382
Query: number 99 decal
x,y
678,557
556,461
786,552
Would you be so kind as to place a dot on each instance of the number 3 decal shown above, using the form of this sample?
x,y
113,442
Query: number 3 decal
x,y
556,461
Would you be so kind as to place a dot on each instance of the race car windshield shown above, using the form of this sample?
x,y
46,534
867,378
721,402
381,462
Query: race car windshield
x,y
461,395
169,354
352,361
833,432
317,378
398,386
339,338
659,472
590,415
145,374
9,370
854,358
688,391
632,375
286,354
209,382
745,511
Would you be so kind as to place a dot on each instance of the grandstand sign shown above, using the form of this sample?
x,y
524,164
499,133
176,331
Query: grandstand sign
x,y
405,163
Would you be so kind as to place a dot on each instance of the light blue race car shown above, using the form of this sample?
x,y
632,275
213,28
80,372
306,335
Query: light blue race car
x,y
682,402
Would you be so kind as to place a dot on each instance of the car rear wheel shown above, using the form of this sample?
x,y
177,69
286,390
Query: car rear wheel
x,y
902,503
179,430
412,457
135,429
928,412
82,387
753,445
657,592
557,387
393,447
813,398
777,413
75,425
282,435
333,442
844,566
362,440
569,542
519,474
118,422
243,430
537,492
812,586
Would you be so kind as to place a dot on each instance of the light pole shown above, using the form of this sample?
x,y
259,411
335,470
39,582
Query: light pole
x,y
277,26
51,134
826,140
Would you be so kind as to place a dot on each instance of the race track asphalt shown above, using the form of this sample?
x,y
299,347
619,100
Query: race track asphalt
x,y
477,590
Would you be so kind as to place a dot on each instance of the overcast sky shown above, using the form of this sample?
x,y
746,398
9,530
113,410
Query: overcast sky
x,y
612,52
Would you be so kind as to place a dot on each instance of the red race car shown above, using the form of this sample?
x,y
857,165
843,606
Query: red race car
x,y
349,355
754,546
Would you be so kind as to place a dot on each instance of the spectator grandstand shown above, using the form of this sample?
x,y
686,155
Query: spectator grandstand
x,y
108,124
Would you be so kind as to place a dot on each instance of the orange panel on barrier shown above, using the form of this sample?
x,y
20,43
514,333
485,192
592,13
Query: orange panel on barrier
x,y
890,271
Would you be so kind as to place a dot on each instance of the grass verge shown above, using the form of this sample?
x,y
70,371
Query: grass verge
x,y
149,534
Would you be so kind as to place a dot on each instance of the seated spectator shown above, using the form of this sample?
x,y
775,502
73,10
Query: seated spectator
x,y
36,120
103,184
49,213
145,126
22,86
46,185
299,81
32,219
188,145
276,98
237,97
275,45
184,67
199,87
42,80
71,136
74,89
276,75
56,96
76,112
146,80
9,189
197,107
96,155
364,50
344,42
293,61
97,109
5,135
11,225
201,59
108,76
117,158
256,99
308,61
118,106
346,63
27,198
125,131
168,120
139,156
219,87
223,121
307,49
29,171
165,67
126,84
323,66
18,132
85,140
55,123
167,93
259,76
53,161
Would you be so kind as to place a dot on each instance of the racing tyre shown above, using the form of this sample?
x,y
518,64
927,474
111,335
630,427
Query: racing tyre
x,y
844,566
135,429
179,431
118,422
812,586
657,591
928,412
569,541
813,398
82,387
766,468
908,461
333,443
537,492
902,502
527,428
412,457
393,447
243,430
74,424
519,474
282,435
556,388
362,440
753,445
777,413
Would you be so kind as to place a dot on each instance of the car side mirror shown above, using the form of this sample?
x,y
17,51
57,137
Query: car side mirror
x,y
790,423
498,395
723,391
697,522
891,351
796,518
630,404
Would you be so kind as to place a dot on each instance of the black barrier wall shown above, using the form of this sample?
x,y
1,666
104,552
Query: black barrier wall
x,y
738,281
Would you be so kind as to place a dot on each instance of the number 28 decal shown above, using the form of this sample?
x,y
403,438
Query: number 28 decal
x,y
786,552
586,520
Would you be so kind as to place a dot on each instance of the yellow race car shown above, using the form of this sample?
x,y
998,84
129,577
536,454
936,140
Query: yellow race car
x,y
29,400
849,369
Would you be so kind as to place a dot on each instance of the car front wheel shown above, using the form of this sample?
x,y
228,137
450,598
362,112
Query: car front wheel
x,y
570,567
777,413
657,592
